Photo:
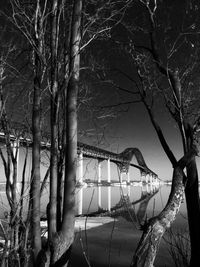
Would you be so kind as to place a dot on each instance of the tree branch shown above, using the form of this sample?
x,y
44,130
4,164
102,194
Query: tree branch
x,y
155,228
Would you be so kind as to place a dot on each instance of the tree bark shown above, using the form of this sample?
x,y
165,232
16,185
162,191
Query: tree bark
x,y
36,132
186,131
10,168
63,241
192,200
54,125
35,181
155,228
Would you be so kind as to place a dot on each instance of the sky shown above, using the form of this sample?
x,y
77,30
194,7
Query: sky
x,y
130,126
134,129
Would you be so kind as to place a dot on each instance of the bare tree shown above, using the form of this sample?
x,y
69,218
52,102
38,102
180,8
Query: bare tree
x,y
58,33
14,251
155,228
10,166
166,65
36,130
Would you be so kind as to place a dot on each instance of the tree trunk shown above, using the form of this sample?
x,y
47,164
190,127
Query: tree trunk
x,y
155,228
63,242
60,173
54,125
192,200
36,132
10,168
35,181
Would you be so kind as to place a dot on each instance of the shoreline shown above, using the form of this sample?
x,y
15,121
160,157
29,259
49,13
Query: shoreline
x,y
105,241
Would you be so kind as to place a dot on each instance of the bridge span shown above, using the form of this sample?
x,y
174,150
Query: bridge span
x,y
122,160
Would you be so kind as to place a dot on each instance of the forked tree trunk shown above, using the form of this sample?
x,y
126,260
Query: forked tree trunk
x,y
187,134
155,228
10,169
63,241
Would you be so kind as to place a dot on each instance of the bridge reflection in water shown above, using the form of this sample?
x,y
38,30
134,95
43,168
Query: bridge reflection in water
x,y
115,201
149,179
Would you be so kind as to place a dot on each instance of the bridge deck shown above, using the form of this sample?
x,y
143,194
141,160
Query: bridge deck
x,y
87,150
102,154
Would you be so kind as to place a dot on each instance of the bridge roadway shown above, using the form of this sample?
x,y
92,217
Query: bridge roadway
x,y
89,152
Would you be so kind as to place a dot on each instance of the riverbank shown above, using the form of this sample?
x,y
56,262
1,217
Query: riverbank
x,y
103,242
107,242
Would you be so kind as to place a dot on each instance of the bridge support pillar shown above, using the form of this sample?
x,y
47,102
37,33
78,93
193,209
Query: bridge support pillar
x,y
120,177
151,183
109,176
150,179
148,188
156,180
80,201
143,189
99,171
80,168
128,191
128,177
143,178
